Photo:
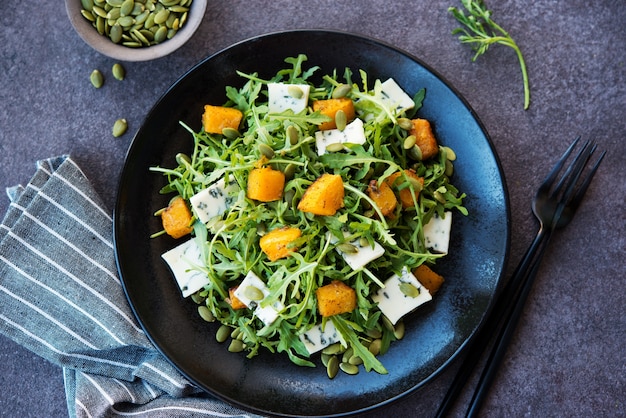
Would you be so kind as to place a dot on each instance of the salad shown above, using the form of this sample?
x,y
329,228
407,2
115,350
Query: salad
x,y
311,212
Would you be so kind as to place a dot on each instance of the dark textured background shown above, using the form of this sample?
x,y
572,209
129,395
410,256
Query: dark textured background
x,y
567,356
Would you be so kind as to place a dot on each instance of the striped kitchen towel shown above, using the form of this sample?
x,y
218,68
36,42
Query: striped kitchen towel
x,y
61,297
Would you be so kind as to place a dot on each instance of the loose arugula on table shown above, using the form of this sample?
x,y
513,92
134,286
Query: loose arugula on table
x,y
230,243
481,31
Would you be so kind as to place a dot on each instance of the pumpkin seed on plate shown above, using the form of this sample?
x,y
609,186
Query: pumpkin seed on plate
x,y
349,368
332,368
222,334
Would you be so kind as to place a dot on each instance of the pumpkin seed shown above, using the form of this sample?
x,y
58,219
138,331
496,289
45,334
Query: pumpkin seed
x,y
295,92
399,330
222,334
196,297
182,159
161,34
341,120
416,153
439,196
115,3
355,360
332,368
140,37
449,168
119,127
289,171
375,346
387,323
335,348
96,79
335,147
409,142
161,16
205,313
347,354
349,368
341,91
266,150
253,293
116,33
88,15
235,333
450,154
409,290
118,71
347,248
236,346
293,134
114,14
325,358
405,123
374,333
87,4
99,11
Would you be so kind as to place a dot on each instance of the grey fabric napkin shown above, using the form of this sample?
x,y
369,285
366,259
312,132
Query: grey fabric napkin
x,y
61,297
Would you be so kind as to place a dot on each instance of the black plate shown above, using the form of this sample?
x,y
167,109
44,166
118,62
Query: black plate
x,y
269,383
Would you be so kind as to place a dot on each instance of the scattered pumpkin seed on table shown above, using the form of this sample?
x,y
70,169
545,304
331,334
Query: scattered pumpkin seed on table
x,y
119,127
118,71
139,23
96,78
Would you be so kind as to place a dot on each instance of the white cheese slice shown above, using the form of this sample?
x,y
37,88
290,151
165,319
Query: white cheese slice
x,y
280,99
364,255
317,339
393,303
437,232
394,97
214,200
352,134
267,314
181,261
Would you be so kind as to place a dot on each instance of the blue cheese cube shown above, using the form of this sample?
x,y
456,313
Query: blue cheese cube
x,y
282,96
183,261
317,339
214,200
393,302
395,98
364,254
352,134
267,314
437,232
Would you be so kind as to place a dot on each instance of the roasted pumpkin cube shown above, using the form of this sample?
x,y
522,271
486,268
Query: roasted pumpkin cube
x,y
428,278
216,118
330,107
233,300
265,184
424,138
275,244
396,181
324,196
335,298
383,196
176,218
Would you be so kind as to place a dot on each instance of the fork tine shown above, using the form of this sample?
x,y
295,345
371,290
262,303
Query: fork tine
x,y
577,198
555,171
573,172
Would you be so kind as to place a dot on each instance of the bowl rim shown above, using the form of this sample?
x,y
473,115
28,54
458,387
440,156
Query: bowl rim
x,y
104,46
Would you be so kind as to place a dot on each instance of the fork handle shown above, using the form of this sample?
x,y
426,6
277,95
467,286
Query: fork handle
x,y
506,333
484,335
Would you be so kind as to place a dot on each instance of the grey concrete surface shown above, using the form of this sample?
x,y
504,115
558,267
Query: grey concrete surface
x,y
567,356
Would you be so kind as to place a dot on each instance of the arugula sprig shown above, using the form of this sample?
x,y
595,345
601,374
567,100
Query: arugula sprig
x,y
481,31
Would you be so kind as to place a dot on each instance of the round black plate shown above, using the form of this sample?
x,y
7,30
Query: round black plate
x,y
270,383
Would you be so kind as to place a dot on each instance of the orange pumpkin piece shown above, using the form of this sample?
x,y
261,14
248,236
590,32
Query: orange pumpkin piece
x,y
428,278
233,301
216,118
424,138
335,298
396,180
324,196
330,107
176,218
383,196
275,244
265,184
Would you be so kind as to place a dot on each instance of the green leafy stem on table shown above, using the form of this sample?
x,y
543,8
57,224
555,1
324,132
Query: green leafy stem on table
x,y
481,31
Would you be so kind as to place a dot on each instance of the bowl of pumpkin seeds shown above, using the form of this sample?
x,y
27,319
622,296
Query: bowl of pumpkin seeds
x,y
135,30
